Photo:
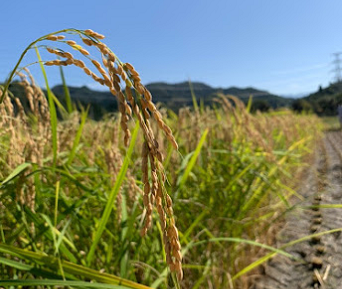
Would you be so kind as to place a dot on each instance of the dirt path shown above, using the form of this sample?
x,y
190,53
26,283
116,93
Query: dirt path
x,y
319,262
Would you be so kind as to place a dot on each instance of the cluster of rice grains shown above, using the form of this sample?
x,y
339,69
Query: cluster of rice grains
x,y
134,99
24,143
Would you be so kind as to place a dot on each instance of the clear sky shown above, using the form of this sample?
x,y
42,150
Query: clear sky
x,y
283,46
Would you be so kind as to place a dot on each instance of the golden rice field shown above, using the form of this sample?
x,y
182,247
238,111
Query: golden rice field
x,y
146,198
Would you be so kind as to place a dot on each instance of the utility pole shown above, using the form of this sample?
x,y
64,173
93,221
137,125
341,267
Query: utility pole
x,y
337,62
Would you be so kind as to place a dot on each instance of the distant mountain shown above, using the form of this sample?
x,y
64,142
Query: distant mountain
x,y
173,96
179,94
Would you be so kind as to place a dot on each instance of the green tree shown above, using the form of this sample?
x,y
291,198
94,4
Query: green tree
x,y
261,105
301,105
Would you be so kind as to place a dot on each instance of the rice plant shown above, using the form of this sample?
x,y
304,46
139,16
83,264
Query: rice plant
x,y
78,197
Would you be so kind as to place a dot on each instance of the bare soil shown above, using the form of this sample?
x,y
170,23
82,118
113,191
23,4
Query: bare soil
x,y
319,260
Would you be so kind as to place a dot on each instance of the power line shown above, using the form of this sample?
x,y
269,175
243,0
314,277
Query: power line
x,y
338,66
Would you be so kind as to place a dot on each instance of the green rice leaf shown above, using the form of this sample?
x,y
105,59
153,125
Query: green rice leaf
x,y
77,137
78,284
16,172
114,192
182,179
271,255
66,91
68,267
52,108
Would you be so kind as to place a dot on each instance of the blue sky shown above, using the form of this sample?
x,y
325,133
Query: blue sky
x,y
284,47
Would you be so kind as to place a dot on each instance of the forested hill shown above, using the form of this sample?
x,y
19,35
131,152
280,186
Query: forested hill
x,y
332,90
173,96
323,102
179,94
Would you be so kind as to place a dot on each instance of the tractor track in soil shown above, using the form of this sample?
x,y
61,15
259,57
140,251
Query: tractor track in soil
x,y
319,260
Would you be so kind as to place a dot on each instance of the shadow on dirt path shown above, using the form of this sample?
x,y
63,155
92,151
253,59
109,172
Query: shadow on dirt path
x,y
318,261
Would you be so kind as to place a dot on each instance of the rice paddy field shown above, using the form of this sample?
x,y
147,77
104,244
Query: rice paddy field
x,y
147,197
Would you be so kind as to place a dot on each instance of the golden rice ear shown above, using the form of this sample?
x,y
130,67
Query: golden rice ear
x,y
87,41
94,34
52,38
135,102
71,42
84,52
